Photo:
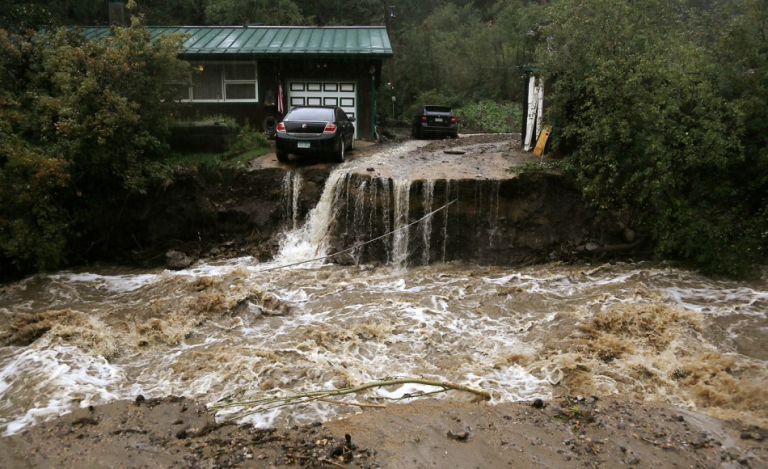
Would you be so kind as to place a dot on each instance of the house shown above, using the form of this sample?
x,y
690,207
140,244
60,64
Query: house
x,y
240,71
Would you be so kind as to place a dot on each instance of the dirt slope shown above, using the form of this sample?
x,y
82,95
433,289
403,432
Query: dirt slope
x,y
177,432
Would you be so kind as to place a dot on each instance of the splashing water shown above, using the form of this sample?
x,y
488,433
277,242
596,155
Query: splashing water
x,y
646,331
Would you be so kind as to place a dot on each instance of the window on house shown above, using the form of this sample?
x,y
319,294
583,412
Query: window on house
x,y
206,83
222,82
240,81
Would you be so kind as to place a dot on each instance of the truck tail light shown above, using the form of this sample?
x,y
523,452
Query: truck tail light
x,y
453,119
423,118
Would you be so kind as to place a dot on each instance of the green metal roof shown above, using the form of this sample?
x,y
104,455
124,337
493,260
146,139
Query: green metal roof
x,y
273,40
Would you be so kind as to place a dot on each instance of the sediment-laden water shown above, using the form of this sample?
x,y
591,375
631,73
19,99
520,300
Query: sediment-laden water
x,y
646,331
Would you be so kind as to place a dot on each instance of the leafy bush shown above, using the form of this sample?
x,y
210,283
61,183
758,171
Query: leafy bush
x,y
489,116
82,124
249,139
250,144
660,124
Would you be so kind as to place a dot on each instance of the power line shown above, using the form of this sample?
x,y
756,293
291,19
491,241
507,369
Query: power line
x,y
361,244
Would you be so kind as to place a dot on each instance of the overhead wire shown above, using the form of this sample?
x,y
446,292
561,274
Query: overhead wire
x,y
360,244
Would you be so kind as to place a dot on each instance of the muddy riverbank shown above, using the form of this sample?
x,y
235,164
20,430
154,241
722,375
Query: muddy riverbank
x,y
176,432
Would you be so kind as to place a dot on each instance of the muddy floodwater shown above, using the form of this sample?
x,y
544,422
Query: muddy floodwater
x,y
241,327
647,331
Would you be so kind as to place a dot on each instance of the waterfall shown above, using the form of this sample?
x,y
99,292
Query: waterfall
x,y
359,226
385,209
426,224
311,240
402,189
355,208
448,195
292,184
493,212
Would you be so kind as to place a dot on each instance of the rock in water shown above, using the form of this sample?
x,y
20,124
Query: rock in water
x,y
177,260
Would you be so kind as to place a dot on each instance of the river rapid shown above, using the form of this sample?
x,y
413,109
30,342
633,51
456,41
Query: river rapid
x,y
647,331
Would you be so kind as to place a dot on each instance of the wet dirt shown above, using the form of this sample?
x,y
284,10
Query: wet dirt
x,y
591,432
471,156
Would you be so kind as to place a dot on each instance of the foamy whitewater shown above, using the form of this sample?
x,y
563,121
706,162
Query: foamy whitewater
x,y
646,331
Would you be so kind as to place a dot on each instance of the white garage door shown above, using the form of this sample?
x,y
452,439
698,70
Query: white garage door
x,y
324,93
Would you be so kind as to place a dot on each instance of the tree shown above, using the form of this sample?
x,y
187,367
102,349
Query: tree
x,y
82,123
651,135
242,12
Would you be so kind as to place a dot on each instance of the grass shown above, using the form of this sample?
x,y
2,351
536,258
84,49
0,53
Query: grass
x,y
249,145
212,160
539,166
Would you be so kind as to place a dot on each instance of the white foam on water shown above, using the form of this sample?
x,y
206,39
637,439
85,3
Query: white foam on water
x,y
407,392
510,384
114,283
310,241
345,326
48,380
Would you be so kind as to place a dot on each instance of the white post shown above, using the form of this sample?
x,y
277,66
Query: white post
x,y
539,108
531,117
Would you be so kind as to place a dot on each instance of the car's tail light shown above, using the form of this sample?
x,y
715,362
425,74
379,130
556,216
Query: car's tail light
x,y
280,127
453,119
423,118
329,128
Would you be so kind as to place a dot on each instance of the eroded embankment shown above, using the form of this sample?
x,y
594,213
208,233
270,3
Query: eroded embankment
x,y
208,213
526,217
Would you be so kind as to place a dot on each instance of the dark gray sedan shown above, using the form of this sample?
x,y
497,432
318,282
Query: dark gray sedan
x,y
315,130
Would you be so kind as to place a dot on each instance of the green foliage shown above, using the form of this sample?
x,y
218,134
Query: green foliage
x,y
250,144
653,130
489,116
241,12
465,49
542,166
82,124
249,139
342,12
433,97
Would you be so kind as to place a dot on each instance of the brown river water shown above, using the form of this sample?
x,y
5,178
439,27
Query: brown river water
x,y
648,331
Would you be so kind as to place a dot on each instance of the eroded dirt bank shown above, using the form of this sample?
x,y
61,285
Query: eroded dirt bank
x,y
498,216
176,432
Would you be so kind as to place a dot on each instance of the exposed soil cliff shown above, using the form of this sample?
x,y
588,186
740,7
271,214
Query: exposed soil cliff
x,y
495,216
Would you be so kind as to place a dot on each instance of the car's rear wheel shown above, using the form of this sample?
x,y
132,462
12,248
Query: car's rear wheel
x,y
340,155
282,156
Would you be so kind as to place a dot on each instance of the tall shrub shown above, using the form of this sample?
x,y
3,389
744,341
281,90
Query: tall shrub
x,y
651,134
83,123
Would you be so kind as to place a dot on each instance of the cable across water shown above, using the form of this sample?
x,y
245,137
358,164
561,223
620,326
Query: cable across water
x,y
361,244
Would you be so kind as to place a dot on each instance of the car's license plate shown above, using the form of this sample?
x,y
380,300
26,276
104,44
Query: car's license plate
x,y
303,144
438,119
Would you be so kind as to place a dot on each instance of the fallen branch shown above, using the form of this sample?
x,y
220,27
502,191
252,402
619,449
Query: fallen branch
x,y
274,402
357,404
